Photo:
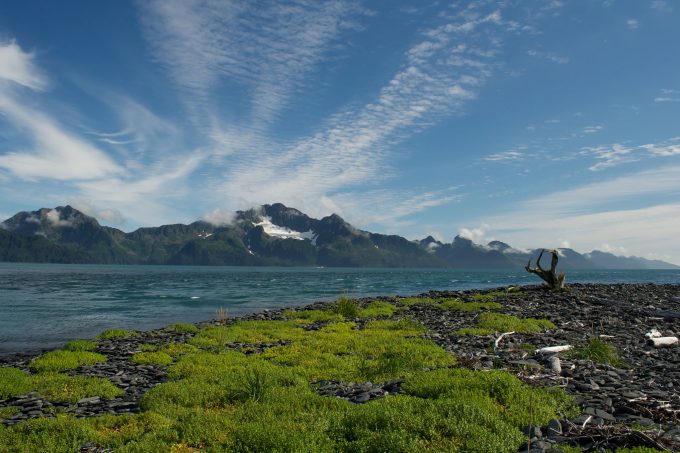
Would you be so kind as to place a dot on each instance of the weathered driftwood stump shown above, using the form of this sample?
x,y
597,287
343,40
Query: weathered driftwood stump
x,y
553,280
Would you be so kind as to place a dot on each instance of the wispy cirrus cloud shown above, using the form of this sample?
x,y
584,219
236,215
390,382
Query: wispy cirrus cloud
x,y
559,59
267,48
440,74
52,151
616,154
668,95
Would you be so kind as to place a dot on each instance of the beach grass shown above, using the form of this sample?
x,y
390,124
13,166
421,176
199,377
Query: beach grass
x,y
599,351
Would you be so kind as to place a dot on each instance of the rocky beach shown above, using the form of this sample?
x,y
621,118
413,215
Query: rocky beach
x,y
625,387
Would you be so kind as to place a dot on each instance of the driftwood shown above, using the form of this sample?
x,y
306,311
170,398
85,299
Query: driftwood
x,y
663,342
553,280
554,349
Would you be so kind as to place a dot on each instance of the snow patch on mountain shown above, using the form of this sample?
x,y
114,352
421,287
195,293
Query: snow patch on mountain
x,y
281,232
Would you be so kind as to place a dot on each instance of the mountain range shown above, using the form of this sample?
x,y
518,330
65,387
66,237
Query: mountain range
x,y
271,235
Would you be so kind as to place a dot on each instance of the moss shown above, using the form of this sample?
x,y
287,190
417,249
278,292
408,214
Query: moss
x,y
310,316
81,345
599,351
148,347
183,328
459,305
64,360
410,301
116,333
60,387
7,412
13,382
376,309
177,349
249,332
155,358
489,323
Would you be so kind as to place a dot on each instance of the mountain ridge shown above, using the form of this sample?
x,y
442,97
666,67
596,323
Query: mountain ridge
x,y
270,235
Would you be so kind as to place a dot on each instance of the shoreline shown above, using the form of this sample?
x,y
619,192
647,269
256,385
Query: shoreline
x,y
643,393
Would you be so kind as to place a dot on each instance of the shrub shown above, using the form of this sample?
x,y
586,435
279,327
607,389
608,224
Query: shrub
x,y
64,360
489,323
148,358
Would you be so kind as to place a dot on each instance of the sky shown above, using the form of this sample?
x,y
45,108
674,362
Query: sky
x,y
538,123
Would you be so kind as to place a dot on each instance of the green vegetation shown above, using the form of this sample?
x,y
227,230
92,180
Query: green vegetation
x,y
81,345
335,312
489,323
481,303
599,351
223,400
184,327
7,412
147,347
54,386
177,349
347,308
64,360
115,333
147,358
13,382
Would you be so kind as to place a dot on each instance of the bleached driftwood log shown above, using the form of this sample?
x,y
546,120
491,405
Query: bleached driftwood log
x,y
553,280
663,342
498,340
554,349
653,334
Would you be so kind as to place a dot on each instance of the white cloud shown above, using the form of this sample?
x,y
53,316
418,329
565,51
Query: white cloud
x,y
584,214
662,5
548,56
54,218
219,217
17,66
633,24
106,215
506,156
615,154
266,48
438,77
668,95
56,154
477,235
592,129
616,250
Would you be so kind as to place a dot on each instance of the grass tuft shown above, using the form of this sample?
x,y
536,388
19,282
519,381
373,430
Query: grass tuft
x,y
346,307
598,350
489,323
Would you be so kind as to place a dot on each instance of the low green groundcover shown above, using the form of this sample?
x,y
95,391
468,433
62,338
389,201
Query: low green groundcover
x,y
222,400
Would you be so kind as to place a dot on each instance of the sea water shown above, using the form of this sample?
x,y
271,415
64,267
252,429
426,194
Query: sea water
x,y
44,305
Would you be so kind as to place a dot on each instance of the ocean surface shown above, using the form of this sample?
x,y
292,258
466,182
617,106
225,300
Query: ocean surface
x,y
44,305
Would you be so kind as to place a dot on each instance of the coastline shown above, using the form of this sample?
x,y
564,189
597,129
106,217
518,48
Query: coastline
x,y
616,402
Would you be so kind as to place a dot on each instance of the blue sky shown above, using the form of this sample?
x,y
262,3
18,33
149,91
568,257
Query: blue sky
x,y
546,123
